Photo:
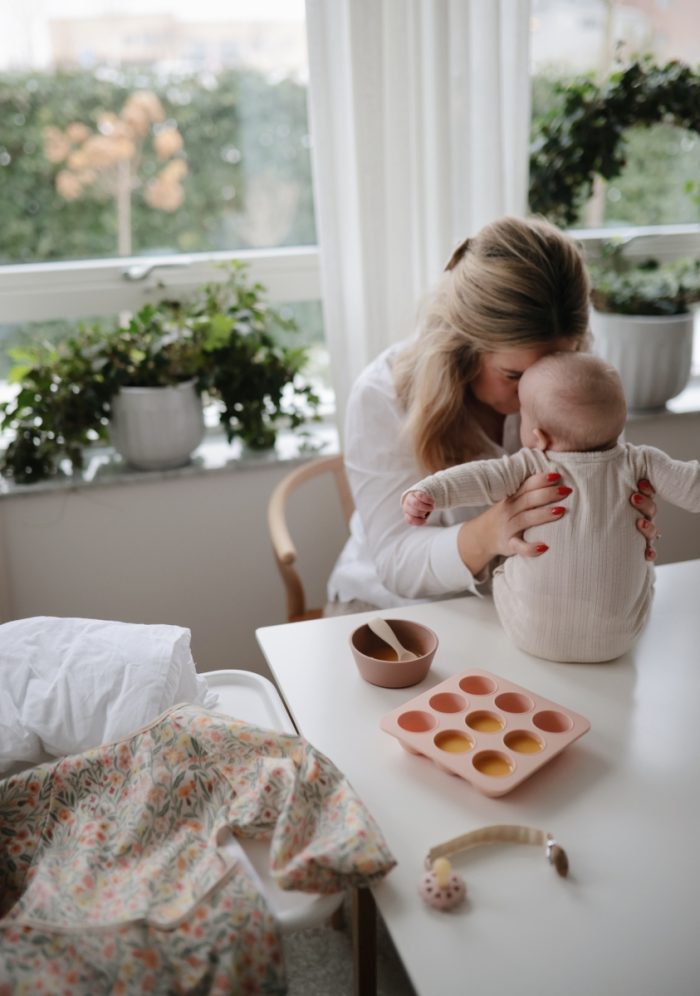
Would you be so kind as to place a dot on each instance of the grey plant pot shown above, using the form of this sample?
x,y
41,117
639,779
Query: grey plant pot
x,y
156,428
652,353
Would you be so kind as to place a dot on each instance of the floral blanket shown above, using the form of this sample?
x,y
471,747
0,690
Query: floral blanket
x,y
111,880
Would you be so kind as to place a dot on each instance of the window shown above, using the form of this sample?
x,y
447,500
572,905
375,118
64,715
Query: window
x,y
659,185
658,192
138,149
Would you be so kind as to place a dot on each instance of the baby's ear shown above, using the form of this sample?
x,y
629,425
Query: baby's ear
x,y
543,441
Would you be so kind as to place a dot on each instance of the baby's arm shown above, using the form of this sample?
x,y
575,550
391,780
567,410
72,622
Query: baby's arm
x,y
481,482
678,481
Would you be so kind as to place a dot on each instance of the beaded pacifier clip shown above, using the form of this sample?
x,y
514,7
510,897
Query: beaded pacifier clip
x,y
443,888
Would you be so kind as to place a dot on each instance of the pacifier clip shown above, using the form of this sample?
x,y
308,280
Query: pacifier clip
x,y
443,888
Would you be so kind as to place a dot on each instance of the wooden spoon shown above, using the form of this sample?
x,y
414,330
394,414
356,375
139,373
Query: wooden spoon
x,y
383,630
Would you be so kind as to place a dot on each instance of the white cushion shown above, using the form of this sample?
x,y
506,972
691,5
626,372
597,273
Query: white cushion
x,y
70,684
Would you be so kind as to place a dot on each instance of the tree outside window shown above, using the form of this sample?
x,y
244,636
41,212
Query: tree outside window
x,y
106,162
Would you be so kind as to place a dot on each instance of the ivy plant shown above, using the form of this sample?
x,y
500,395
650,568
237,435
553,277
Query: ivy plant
x,y
583,136
62,406
226,338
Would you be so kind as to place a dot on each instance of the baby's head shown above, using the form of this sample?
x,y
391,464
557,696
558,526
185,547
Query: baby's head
x,y
571,401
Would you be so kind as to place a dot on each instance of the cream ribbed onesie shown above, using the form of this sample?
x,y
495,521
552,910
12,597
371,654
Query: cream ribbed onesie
x,y
588,597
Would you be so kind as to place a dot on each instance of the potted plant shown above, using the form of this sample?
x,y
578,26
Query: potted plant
x,y
642,322
256,380
152,365
141,385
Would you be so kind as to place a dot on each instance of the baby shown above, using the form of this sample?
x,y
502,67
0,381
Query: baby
x,y
588,598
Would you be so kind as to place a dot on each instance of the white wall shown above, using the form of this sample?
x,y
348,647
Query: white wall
x,y
190,551
194,550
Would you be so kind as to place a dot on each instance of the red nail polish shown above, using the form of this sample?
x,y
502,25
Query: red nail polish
x,y
542,548
553,477
645,484
637,499
558,510
564,491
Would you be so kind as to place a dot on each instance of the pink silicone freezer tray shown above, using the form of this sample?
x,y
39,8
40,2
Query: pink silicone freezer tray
x,y
480,726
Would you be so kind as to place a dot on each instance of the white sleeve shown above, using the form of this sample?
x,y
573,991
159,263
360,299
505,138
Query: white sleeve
x,y
412,563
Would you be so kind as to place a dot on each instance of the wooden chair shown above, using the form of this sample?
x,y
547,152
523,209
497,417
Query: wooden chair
x,y
278,519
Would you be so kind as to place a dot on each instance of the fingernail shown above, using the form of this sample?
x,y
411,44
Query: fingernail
x,y
564,491
644,524
651,554
645,484
542,548
558,510
637,499
553,477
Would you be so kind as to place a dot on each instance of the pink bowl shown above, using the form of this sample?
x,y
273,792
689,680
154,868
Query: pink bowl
x,y
377,663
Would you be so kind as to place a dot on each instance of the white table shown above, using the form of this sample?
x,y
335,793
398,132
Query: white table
x,y
624,802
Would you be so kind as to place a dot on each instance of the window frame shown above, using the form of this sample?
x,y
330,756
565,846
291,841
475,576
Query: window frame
x,y
73,289
666,242
35,292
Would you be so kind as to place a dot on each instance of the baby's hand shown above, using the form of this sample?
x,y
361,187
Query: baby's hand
x,y
417,506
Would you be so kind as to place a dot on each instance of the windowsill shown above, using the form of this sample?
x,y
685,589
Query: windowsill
x,y
686,403
104,467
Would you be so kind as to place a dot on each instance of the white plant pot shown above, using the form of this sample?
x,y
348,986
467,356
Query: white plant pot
x,y
155,428
653,354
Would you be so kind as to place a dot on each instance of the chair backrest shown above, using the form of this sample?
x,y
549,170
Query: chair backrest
x,y
283,546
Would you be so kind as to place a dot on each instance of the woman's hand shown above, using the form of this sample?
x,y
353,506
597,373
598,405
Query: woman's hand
x,y
499,530
643,501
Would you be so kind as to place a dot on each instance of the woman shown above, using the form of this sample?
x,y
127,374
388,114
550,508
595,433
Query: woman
x,y
513,293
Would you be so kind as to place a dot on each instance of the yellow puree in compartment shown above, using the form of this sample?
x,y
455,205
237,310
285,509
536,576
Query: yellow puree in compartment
x,y
493,765
455,743
524,743
486,724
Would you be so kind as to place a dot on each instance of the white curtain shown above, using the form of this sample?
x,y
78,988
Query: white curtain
x,y
419,123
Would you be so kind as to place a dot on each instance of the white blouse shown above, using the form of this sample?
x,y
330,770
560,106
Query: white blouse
x,y
386,562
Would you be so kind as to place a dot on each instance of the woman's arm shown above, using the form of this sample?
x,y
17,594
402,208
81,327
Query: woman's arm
x,y
499,530
439,559
521,497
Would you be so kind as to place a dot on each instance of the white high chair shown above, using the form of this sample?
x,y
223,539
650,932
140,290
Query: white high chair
x,y
253,698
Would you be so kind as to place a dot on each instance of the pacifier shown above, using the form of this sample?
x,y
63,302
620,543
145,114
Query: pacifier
x,y
442,888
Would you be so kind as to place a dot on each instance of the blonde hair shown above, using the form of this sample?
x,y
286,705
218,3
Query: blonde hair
x,y
576,398
517,283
